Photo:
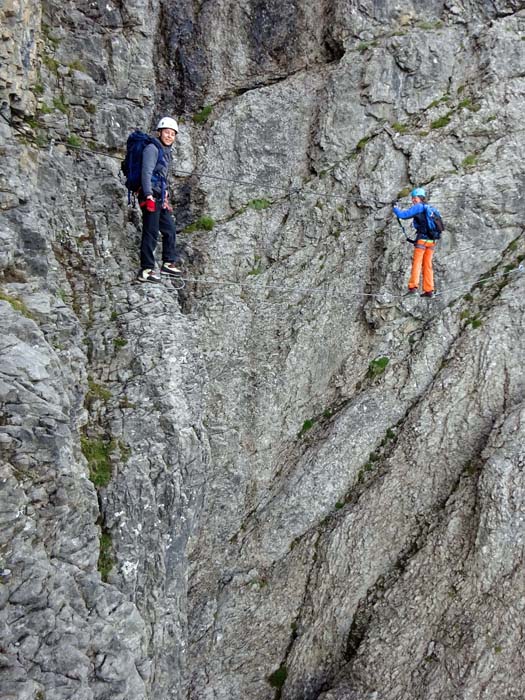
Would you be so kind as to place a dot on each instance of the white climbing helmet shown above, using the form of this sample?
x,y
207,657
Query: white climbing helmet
x,y
168,123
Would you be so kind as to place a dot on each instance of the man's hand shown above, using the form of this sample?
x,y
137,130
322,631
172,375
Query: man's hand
x,y
149,204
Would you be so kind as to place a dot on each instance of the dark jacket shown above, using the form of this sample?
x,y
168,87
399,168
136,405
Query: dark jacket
x,y
153,172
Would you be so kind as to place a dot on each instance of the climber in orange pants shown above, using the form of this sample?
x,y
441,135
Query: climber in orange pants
x,y
424,243
422,258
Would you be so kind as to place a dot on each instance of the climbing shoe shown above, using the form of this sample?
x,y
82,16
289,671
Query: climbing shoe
x,y
148,276
427,294
170,269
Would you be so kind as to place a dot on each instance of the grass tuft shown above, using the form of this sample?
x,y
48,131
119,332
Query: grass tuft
x,y
16,304
202,116
205,223
259,204
97,452
278,678
105,560
378,366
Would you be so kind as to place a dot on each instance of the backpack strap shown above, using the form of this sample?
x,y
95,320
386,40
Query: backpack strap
x,y
430,230
161,160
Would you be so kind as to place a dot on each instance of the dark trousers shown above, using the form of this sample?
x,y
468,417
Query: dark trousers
x,y
153,222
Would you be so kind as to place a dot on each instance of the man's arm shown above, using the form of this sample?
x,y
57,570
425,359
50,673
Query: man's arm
x,y
409,213
149,161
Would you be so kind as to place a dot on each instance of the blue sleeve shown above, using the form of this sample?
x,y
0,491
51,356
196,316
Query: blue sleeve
x,y
149,160
409,213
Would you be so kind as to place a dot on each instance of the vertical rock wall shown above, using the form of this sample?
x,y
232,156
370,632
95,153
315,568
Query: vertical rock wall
x,y
286,480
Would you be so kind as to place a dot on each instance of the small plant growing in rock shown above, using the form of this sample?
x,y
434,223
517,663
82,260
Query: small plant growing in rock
x,y
16,304
428,26
437,102
362,143
50,63
59,104
97,452
441,122
278,678
259,204
32,122
202,116
105,560
400,128
307,425
205,223
74,141
389,436
476,322
77,65
41,139
256,268
469,161
470,105
45,109
47,31
97,391
378,366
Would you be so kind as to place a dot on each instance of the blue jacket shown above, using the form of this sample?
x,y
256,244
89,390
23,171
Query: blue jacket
x,y
418,213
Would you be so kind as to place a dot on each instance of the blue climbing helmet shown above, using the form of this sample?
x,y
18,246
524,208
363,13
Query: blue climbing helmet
x,y
419,192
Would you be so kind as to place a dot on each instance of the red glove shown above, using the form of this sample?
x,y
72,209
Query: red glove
x,y
149,204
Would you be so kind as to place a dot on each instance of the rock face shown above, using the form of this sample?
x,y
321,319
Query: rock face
x,y
287,480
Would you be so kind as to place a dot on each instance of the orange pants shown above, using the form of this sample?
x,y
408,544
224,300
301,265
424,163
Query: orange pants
x,y
423,252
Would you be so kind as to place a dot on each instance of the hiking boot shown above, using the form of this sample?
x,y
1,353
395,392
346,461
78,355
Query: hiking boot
x,y
412,290
169,268
148,276
427,294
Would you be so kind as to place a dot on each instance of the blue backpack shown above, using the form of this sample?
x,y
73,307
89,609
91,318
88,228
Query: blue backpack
x,y
132,164
435,223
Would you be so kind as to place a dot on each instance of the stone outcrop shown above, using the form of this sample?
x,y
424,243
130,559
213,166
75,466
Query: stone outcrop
x,y
286,480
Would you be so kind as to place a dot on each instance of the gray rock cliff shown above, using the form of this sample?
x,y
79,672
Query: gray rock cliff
x,y
288,480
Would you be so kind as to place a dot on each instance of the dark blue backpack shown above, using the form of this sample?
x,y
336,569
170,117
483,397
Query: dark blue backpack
x,y
435,223
132,163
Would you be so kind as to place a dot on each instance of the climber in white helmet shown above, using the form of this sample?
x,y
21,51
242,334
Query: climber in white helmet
x,y
156,211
